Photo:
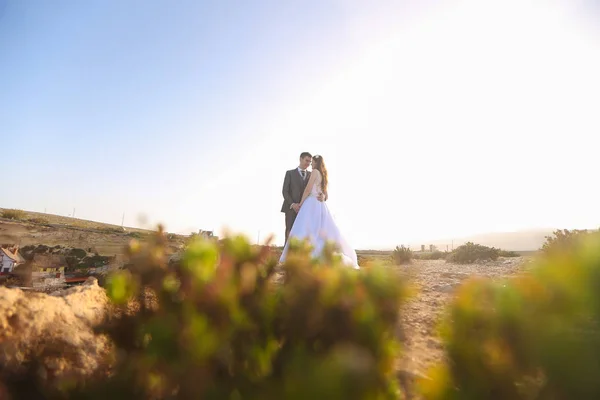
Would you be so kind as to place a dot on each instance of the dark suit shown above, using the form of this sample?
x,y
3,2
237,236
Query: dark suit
x,y
293,189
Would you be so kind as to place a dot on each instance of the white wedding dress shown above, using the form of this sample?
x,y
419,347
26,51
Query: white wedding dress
x,y
315,223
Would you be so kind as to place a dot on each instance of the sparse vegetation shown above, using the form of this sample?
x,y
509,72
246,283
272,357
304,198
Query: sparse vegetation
x,y
438,255
38,220
508,253
402,255
18,215
434,255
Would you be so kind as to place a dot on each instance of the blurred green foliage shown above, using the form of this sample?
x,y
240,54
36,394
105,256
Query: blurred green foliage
x,y
228,323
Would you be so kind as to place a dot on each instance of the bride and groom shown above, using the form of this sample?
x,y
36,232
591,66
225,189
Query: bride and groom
x,y
307,217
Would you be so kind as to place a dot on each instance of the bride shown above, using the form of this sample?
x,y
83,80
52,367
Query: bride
x,y
314,221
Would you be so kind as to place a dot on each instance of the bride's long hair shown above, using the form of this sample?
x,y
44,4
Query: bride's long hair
x,y
320,166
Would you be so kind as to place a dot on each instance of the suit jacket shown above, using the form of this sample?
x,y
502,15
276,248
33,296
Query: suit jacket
x,y
293,188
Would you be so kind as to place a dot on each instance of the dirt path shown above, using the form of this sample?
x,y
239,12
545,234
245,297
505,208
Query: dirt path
x,y
436,282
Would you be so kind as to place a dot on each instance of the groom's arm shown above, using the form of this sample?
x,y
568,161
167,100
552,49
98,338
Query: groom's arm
x,y
309,186
286,191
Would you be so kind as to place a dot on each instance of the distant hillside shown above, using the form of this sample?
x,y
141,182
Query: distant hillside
x,y
75,222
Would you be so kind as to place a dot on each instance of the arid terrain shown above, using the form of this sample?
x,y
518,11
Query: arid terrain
x,y
56,230
435,280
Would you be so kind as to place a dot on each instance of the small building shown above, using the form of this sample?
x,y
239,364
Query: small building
x,y
9,259
48,270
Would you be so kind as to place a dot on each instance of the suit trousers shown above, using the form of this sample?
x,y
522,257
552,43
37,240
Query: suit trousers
x,y
290,217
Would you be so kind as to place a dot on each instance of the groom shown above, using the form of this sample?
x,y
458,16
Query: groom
x,y
293,188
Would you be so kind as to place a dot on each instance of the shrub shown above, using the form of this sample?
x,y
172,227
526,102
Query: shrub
x,y
18,215
470,252
402,255
563,240
535,336
221,328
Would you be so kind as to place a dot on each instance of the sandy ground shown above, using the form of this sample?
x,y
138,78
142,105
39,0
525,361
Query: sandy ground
x,y
436,282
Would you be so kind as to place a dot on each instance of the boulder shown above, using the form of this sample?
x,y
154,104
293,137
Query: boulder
x,y
56,329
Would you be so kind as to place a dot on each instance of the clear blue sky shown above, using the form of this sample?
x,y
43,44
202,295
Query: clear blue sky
x,y
108,102
190,112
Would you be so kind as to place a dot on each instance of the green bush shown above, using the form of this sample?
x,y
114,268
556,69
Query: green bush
x,y
223,328
563,240
18,215
402,255
470,252
534,336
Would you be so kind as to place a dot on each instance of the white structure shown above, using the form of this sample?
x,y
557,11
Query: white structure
x,y
9,259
